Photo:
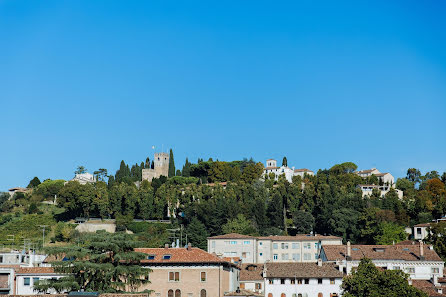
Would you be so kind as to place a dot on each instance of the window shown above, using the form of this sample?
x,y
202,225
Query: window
x,y
35,280
246,254
419,231
246,242
242,285
284,256
260,254
296,257
307,245
282,281
410,269
282,295
284,246
299,281
203,276
316,256
319,281
275,256
26,281
316,245
307,281
275,246
320,295
174,276
270,281
295,246
177,293
151,257
435,270
396,268
332,281
166,257
293,281
170,293
258,286
233,242
270,294
1,259
260,243
203,293
307,256
213,243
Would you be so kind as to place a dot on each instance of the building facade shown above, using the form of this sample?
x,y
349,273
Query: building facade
x,y
160,167
272,168
27,277
188,272
302,280
419,261
250,249
251,277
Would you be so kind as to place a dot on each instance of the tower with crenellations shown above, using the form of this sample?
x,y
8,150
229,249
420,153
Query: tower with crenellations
x,y
160,167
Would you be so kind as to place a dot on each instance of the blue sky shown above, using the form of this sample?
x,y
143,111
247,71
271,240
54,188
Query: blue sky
x,y
321,82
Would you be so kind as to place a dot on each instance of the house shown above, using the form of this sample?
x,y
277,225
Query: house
x,y
188,272
420,231
84,178
384,178
419,261
7,279
251,249
12,191
302,279
367,190
251,277
243,293
271,167
27,277
21,259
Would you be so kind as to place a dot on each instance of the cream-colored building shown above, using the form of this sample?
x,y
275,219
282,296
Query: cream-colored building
x,y
367,190
272,168
188,272
250,249
385,178
161,167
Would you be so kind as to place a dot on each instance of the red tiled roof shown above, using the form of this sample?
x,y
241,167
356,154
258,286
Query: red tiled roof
x,y
303,170
423,225
428,287
179,255
380,252
302,270
251,275
299,237
231,236
35,270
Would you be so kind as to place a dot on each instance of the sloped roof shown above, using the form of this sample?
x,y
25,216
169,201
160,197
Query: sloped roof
x,y
35,270
303,170
300,237
302,270
380,252
179,255
231,236
251,275
423,225
428,287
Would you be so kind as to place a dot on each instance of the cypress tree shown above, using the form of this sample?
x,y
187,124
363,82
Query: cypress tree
x,y
171,164
186,169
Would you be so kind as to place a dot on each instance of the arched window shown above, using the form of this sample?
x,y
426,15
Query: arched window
x,y
177,293
282,295
203,293
270,294
320,295
170,293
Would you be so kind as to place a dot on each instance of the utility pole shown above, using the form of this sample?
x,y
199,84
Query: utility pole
x,y
43,234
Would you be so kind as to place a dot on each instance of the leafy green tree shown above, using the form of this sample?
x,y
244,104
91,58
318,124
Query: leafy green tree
x,y
304,221
80,170
437,237
390,233
414,175
34,182
186,169
252,172
171,164
369,281
239,225
102,262
101,174
284,162
197,233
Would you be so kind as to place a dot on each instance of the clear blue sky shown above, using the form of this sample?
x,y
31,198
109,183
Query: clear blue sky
x,y
94,82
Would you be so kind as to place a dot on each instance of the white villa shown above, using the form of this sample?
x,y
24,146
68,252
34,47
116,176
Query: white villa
x,y
84,178
386,182
250,249
271,167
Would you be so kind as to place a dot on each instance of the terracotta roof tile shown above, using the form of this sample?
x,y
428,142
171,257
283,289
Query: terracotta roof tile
x,y
302,270
179,255
303,170
251,275
428,287
300,237
423,225
35,270
380,252
231,236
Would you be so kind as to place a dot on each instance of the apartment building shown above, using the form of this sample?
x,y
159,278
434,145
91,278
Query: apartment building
x,y
419,261
302,280
27,277
251,277
250,249
188,272
367,190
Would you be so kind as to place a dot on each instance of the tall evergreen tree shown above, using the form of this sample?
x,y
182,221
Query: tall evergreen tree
x,y
284,162
171,164
34,182
186,169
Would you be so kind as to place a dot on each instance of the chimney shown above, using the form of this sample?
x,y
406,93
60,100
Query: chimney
x,y
166,246
440,290
422,251
349,251
409,281
319,262
189,246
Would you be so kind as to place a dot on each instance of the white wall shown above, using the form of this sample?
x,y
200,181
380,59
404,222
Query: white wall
x,y
311,290
21,289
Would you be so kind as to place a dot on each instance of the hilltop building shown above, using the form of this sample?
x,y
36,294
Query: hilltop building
x,y
84,178
271,167
299,248
160,167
